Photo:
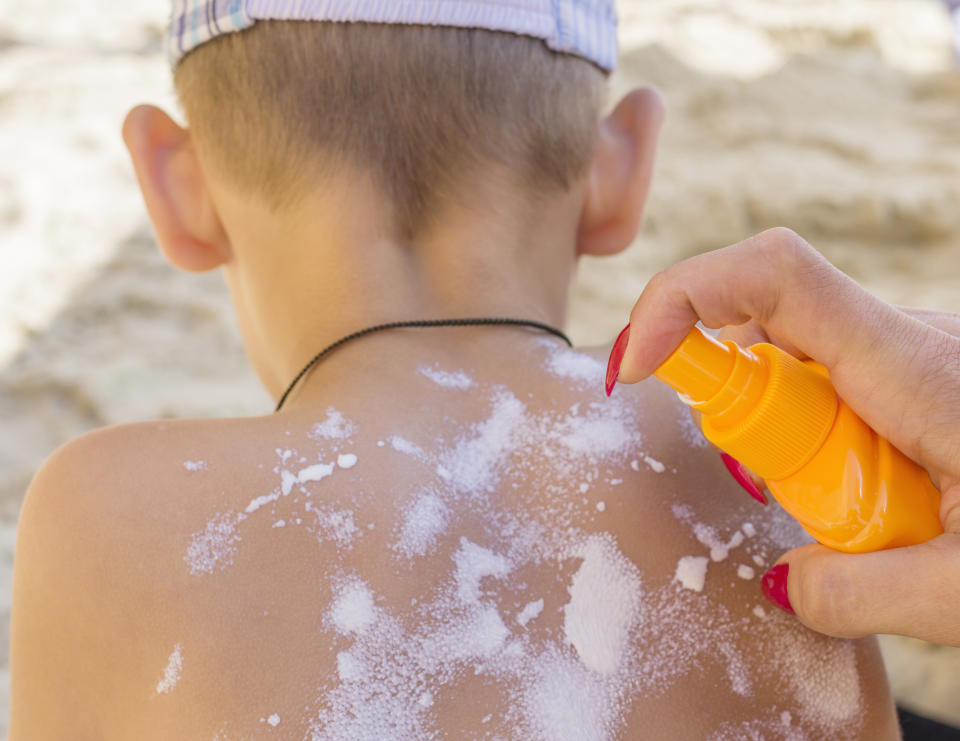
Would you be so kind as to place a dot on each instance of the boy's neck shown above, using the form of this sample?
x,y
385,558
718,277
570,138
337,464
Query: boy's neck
x,y
327,269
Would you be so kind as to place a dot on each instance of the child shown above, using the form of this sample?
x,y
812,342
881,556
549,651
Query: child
x,y
446,531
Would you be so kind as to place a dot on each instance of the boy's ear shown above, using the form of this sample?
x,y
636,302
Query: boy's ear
x,y
620,174
175,190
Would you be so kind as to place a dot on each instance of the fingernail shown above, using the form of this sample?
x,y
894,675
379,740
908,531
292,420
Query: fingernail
x,y
738,472
616,357
774,586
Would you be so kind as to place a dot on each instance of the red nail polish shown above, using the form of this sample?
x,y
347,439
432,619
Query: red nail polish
x,y
616,357
738,472
774,587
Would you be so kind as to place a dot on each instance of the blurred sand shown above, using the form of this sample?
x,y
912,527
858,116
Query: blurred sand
x,y
838,119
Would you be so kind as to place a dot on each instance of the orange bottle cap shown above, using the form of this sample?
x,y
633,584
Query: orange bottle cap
x,y
764,407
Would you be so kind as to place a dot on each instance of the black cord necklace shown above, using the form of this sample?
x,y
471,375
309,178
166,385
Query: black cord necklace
x,y
417,323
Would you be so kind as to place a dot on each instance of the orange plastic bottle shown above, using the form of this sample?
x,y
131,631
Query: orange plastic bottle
x,y
780,417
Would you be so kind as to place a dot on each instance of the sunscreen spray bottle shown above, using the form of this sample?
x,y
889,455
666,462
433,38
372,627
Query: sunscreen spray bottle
x,y
781,418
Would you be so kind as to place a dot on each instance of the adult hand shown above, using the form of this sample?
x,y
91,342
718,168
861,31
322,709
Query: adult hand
x,y
898,369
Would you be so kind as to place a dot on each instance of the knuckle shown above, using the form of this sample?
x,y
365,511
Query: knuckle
x,y
789,250
779,259
783,236
784,249
659,282
657,288
796,269
778,238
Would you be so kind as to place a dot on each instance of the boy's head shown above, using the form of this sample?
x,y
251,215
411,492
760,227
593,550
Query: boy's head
x,y
423,111
430,105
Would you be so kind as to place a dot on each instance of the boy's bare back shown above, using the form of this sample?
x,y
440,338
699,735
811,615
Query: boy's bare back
x,y
491,550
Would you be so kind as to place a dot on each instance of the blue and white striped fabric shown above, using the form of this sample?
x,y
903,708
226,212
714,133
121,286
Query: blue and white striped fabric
x,y
585,28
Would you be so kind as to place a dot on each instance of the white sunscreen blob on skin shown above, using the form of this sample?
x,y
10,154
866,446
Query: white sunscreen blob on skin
x,y
349,669
333,524
214,547
258,502
334,427
473,563
171,674
448,379
475,461
531,611
423,523
654,464
563,362
347,460
692,572
567,701
719,551
316,472
402,445
287,480
354,610
604,605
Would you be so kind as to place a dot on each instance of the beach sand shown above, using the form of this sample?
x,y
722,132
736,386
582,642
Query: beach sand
x,y
838,119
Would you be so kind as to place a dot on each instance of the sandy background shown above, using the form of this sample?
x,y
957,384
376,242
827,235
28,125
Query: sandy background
x,y
837,118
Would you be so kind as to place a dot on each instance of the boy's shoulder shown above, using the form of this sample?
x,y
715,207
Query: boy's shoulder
x,y
130,460
96,565
101,505
124,485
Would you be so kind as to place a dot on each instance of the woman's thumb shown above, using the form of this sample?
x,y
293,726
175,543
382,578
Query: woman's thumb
x,y
911,591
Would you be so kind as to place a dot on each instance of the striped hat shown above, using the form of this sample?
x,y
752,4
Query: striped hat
x,y
584,28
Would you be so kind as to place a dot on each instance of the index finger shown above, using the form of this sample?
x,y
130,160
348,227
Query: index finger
x,y
775,278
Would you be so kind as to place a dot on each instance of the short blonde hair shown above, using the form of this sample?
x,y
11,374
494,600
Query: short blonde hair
x,y
420,108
